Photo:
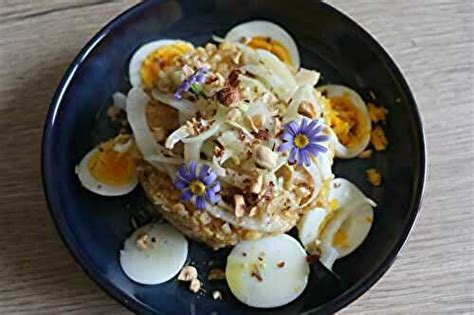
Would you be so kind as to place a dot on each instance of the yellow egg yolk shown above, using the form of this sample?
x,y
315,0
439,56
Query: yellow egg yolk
x,y
346,121
110,167
340,239
160,58
273,46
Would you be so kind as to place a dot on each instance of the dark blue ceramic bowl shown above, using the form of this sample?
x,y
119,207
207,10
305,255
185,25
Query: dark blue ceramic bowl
x,y
94,227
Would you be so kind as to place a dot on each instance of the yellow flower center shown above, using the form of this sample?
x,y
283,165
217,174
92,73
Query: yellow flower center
x,y
301,141
197,187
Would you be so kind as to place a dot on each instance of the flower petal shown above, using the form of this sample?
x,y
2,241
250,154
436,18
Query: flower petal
x,y
292,128
293,156
186,195
209,179
287,136
305,158
193,169
318,138
216,187
181,183
314,148
304,125
211,196
285,146
183,172
204,171
200,202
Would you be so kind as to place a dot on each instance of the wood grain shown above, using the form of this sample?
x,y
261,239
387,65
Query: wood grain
x,y
432,41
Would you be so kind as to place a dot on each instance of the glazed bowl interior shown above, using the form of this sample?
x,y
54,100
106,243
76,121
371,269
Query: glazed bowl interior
x,y
94,227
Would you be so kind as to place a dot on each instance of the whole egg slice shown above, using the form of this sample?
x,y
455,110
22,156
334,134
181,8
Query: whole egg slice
x,y
348,118
268,36
149,59
268,272
154,254
109,169
350,223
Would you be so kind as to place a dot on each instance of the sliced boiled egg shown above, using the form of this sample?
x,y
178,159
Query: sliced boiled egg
x,y
148,60
350,223
309,225
109,169
268,36
268,272
348,118
154,254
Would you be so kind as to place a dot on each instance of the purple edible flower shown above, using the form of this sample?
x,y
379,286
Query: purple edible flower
x,y
197,77
199,183
302,141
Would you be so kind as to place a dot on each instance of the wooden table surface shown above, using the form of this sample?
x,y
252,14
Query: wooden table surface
x,y
431,41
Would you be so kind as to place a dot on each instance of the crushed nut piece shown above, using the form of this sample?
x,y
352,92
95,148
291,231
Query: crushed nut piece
x,y
258,120
196,127
226,228
265,157
367,154
261,135
251,123
217,295
188,273
256,187
278,127
253,211
216,274
307,109
312,258
256,273
239,205
195,285
142,241
281,264
228,95
233,78
374,177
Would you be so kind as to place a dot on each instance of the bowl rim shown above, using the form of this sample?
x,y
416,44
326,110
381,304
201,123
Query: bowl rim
x,y
350,295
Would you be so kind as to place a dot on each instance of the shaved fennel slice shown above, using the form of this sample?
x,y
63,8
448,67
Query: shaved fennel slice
x,y
192,151
305,76
184,107
266,224
269,78
205,135
137,101
120,100
304,93
276,66
176,136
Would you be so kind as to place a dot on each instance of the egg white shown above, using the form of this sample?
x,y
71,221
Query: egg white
x,y
91,183
266,29
338,91
161,261
282,266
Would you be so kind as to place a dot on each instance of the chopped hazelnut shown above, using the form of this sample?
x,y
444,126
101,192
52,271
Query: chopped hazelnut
x,y
256,187
216,274
251,123
281,264
228,95
188,273
258,120
265,157
239,205
142,242
307,109
217,295
195,285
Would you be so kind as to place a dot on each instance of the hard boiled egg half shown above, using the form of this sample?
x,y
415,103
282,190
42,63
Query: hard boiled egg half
x,y
348,118
267,36
148,60
268,272
348,225
154,254
109,169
